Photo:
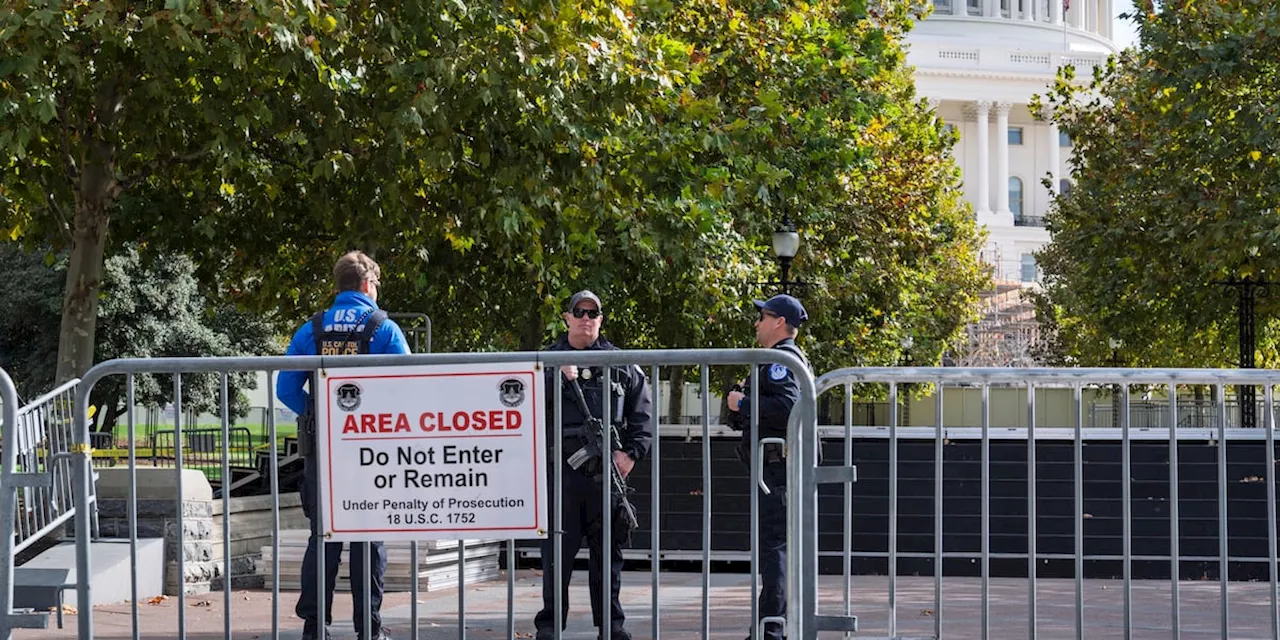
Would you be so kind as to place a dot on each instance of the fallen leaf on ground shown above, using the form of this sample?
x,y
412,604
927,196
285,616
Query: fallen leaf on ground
x,y
928,613
157,599
66,608
202,603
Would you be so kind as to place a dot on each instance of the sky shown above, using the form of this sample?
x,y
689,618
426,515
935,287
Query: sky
x,y
1125,35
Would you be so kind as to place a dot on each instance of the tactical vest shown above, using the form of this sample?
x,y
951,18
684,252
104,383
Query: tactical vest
x,y
335,343
346,343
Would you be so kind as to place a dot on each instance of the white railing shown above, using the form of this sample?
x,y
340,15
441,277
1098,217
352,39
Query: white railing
x,y
931,56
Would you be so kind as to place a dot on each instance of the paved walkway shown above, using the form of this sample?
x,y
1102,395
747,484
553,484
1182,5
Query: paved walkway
x,y
681,610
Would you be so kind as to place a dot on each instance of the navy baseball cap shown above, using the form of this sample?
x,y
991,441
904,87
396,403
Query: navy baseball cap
x,y
785,306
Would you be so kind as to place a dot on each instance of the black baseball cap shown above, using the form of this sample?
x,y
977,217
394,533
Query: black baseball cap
x,y
785,306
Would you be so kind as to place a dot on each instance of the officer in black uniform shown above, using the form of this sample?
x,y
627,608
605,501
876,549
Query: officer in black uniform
x,y
583,488
776,328
352,325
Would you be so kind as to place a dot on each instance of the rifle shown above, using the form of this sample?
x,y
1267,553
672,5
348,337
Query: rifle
x,y
592,435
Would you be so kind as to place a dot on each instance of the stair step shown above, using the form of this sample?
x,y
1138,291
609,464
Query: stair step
x,y
110,561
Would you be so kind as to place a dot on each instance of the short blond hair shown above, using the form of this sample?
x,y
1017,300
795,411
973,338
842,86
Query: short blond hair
x,y
353,269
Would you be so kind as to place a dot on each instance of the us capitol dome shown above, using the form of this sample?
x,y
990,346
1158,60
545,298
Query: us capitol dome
x,y
979,62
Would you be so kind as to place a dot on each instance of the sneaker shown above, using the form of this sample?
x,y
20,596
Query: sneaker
x,y
377,635
616,634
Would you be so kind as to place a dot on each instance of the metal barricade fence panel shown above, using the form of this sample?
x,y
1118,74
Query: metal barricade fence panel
x,y
801,559
35,485
1230,446
44,437
1066,515
416,328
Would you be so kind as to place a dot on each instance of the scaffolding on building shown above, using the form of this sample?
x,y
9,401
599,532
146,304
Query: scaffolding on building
x,y
1007,331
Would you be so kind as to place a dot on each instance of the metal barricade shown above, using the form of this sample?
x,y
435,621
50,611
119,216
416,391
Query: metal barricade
x,y
44,439
35,497
663,616
416,328
1083,534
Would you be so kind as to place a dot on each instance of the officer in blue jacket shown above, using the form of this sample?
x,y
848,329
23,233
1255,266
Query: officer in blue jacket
x,y
776,328
352,325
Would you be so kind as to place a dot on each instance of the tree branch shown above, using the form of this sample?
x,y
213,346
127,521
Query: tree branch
x,y
158,164
64,226
68,158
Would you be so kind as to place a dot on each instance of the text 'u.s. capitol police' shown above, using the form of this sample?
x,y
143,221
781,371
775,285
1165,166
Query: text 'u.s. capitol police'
x,y
432,452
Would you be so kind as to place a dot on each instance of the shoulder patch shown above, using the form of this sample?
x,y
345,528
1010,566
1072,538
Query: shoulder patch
x,y
777,372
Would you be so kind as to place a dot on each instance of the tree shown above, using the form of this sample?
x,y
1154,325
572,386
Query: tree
x,y
1175,165
152,307
494,158
805,111
395,127
100,98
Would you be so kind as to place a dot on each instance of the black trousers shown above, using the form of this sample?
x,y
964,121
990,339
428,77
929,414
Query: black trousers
x,y
306,607
773,547
583,518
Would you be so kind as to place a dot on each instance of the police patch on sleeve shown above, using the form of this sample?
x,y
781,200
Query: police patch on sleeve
x,y
777,372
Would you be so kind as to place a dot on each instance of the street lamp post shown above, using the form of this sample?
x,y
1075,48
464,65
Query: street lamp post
x,y
1116,344
1249,289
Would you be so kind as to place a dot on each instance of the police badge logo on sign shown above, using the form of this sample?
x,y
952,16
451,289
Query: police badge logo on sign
x,y
777,372
348,396
511,392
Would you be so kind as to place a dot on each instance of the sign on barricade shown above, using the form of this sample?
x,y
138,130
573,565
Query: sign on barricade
x,y
433,452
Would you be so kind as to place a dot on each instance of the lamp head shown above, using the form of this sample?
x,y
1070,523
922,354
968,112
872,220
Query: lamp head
x,y
786,242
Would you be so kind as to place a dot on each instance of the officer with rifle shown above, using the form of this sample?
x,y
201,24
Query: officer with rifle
x,y
585,468
352,325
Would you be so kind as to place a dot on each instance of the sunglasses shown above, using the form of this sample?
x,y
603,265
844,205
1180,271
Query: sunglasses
x,y
590,313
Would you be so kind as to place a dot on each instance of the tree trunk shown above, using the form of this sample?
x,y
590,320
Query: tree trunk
x,y
676,401
533,335
98,189
1200,412
109,415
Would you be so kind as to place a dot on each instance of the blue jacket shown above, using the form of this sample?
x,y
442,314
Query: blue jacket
x,y
290,384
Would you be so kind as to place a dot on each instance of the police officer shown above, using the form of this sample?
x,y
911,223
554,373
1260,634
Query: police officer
x,y
352,325
776,328
582,490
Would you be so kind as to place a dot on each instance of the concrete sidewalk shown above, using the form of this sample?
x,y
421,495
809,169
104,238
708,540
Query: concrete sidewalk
x,y
681,610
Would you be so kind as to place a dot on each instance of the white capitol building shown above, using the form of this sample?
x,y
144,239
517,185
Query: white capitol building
x,y
979,62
